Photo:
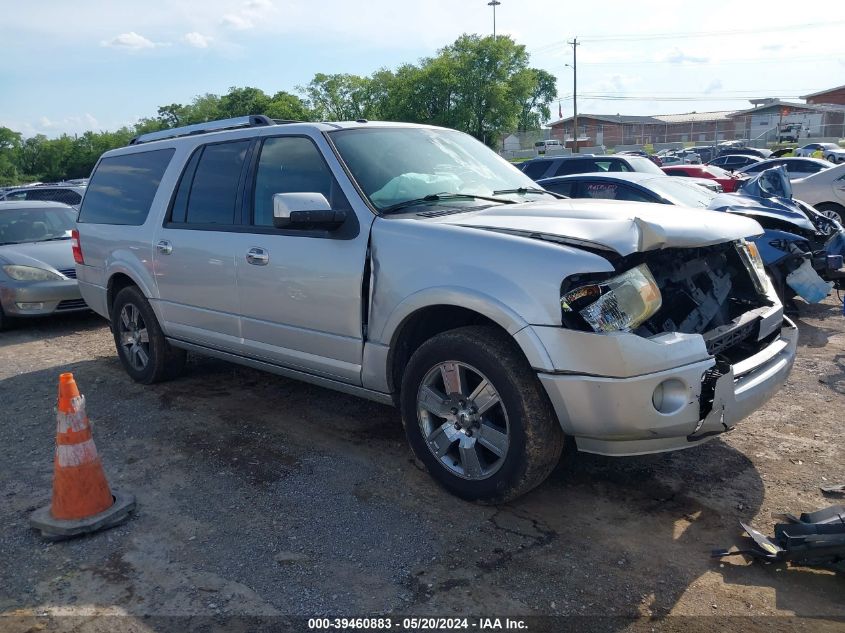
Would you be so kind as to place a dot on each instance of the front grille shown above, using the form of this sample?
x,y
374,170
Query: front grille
x,y
68,272
72,304
720,342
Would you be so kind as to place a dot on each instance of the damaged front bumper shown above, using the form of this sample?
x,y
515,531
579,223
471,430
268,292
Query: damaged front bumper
x,y
673,408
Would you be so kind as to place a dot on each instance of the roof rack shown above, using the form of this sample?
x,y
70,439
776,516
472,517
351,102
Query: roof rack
x,y
253,120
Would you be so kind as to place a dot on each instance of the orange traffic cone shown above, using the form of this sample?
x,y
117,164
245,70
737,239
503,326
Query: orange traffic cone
x,y
82,501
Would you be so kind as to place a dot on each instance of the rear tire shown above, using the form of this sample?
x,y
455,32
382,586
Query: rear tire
x,y
141,346
477,416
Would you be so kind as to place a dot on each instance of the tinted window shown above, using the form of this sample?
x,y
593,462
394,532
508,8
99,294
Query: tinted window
x,y
806,167
214,190
122,188
535,170
565,187
179,208
292,165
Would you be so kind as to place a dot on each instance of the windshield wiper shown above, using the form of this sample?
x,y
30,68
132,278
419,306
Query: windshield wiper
x,y
436,197
524,190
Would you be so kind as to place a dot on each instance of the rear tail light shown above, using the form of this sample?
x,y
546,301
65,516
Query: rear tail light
x,y
76,247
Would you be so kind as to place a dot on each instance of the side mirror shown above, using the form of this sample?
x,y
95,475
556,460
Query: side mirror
x,y
305,210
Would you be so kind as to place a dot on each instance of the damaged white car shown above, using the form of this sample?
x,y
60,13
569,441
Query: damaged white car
x,y
412,265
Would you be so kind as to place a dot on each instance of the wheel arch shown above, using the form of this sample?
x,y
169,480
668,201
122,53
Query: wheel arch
x,y
418,325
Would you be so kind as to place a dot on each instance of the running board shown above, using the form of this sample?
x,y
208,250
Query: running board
x,y
328,383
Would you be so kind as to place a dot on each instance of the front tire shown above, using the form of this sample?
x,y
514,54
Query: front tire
x,y
477,417
832,210
141,346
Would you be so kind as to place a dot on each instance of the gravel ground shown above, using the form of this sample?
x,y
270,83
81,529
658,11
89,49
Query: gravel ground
x,y
263,496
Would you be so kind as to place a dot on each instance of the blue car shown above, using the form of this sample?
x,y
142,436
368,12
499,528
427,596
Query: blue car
x,y
796,235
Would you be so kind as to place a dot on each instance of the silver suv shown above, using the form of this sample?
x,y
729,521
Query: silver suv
x,y
412,265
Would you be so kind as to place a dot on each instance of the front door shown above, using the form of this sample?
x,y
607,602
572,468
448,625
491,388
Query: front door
x,y
301,290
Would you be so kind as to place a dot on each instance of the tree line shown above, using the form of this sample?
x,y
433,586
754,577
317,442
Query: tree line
x,y
481,85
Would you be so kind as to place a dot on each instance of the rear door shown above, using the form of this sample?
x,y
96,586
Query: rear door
x,y
301,300
194,251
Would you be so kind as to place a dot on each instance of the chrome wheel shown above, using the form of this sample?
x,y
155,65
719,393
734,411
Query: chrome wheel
x,y
133,337
463,420
833,215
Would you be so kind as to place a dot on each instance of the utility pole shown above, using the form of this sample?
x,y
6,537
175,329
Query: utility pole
x,y
494,4
574,44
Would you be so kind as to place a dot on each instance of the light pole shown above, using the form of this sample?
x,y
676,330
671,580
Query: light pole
x,y
574,67
494,4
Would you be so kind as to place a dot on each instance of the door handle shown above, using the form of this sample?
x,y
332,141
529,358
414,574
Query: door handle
x,y
164,247
257,257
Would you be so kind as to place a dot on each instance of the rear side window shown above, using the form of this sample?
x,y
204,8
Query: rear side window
x,y
564,188
214,191
535,170
122,188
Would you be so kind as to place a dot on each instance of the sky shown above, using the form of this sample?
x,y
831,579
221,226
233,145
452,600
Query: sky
x,y
68,67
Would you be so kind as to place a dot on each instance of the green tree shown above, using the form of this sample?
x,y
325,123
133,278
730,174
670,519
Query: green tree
x,y
340,97
541,89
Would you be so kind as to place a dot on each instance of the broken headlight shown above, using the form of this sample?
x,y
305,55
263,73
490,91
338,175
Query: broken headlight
x,y
750,257
620,303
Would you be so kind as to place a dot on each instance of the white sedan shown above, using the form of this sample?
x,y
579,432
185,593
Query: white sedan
x,y
835,155
824,190
809,149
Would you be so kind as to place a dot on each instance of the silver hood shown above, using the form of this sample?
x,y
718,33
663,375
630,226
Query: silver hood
x,y
622,227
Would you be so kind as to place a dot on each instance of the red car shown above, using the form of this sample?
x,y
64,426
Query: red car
x,y
729,181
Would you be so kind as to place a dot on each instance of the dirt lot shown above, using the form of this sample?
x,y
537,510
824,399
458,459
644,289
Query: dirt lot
x,y
259,496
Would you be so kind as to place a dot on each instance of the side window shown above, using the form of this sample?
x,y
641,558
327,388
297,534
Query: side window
x,y
567,167
214,190
564,188
536,169
292,164
122,188
602,190
624,192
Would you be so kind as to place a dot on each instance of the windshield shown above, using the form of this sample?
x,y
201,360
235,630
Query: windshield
x,y
640,163
18,226
397,165
680,192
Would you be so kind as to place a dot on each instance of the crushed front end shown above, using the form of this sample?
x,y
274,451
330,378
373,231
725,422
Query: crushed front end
x,y
675,348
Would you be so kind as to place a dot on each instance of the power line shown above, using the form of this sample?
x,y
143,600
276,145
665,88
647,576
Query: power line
x,y
678,35
706,62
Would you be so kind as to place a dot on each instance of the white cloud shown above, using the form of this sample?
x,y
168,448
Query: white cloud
x,y
677,56
237,21
130,41
713,86
197,40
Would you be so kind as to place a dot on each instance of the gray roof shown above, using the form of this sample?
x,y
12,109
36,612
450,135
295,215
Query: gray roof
x,y
611,118
7,205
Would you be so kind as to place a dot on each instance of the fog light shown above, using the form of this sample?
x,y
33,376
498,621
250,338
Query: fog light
x,y
30,306
670,396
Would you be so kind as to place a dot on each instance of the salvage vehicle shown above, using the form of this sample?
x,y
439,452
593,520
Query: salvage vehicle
x,y
797,238
825,191
66,193
412,265
37,270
